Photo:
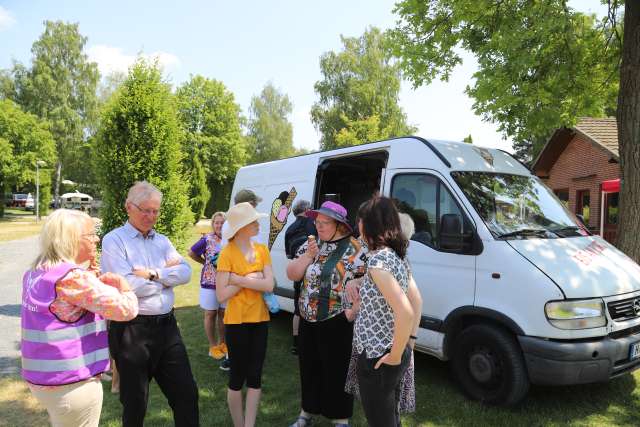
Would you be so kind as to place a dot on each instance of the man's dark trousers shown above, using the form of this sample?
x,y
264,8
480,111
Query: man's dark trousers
x,y
150,347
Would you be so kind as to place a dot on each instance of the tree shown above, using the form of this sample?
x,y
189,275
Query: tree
x,y
211,121
541,64
60,87
629,130
24,139
198,190
139,138
468,139
270,135
359,93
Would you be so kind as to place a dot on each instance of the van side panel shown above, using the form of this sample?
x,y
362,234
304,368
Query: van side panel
x,y
295,176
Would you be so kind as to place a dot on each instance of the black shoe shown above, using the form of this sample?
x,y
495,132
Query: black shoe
x,y
226,364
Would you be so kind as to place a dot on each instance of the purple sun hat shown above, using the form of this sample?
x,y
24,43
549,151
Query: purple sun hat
x,y
332,210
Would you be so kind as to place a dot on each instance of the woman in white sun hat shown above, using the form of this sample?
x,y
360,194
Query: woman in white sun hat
x,y
244,274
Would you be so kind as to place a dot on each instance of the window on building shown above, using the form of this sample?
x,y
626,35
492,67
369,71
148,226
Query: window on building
x,y
612,208
426,200
563,195
583,203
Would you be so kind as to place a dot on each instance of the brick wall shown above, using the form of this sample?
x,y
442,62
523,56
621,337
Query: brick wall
x,y
583,166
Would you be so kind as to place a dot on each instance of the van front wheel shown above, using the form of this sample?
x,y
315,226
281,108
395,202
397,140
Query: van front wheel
x,y
488,365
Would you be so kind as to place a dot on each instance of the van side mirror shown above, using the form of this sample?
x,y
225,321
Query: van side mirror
x,y
451,238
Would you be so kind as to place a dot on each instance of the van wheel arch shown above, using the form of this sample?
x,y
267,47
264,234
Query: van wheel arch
x,y
463,317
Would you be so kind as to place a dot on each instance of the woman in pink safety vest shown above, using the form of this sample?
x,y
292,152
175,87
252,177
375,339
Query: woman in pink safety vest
x,y
64,307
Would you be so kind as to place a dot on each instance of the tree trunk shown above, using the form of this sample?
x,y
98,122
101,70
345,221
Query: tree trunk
x,y
629,133
56,198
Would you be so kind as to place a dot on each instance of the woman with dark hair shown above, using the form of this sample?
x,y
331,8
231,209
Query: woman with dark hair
x,y
389,302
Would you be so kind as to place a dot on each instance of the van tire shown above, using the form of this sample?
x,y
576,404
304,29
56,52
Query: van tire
x,y
487,363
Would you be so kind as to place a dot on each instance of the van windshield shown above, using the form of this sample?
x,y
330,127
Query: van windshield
x,y
515,206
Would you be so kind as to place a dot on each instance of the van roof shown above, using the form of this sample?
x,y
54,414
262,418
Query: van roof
x,y
455,156
468,157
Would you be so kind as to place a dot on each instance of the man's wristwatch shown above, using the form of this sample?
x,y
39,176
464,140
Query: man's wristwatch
x,y
153,275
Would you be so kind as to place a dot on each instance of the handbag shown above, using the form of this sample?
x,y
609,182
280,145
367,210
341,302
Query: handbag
x,y
272,302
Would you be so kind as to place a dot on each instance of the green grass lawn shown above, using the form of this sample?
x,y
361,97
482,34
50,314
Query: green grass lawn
x,y
616,403
18,224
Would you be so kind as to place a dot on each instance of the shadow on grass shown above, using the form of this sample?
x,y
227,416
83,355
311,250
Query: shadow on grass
x,y
17,406
439,400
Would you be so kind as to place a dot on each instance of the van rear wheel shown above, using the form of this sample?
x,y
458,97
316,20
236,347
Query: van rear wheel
x,y
488,365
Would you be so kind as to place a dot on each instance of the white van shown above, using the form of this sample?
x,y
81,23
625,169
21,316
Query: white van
x,y
515,290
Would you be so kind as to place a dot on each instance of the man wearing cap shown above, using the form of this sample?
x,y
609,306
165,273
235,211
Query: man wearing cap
x,y
296,234
149,346
326,332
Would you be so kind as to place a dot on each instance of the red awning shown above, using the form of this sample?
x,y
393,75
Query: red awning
x,y
611,186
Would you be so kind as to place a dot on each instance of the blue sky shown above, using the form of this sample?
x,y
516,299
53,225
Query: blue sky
x,y
245,44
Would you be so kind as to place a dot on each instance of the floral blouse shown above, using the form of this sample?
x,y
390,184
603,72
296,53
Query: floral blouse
x,y
80,291
352,263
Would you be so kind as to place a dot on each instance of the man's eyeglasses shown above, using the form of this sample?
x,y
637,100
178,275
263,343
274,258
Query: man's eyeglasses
x,y
146,211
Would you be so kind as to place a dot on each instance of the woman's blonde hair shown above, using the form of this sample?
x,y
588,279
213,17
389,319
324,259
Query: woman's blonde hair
x,y
217,214
60,238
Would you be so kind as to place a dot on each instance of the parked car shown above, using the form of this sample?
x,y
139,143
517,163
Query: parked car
x,y
18,200
515,290
30,203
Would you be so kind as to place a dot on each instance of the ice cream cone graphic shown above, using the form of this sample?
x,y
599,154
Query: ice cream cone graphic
x,y
279,212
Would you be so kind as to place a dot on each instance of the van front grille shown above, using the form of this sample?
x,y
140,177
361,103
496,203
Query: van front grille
x,y
624,309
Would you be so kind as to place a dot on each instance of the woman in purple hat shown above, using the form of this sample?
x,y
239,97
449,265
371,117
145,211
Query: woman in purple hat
x,y
326,331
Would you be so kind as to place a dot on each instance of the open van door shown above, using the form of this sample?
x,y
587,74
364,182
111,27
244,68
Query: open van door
x,y
440,250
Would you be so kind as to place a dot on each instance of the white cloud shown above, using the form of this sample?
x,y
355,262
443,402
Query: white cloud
x,y
112,59
6,19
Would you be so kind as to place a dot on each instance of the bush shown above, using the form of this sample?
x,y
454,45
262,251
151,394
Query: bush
x,y
139,139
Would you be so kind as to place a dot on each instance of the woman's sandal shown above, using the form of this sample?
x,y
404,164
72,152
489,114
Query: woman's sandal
x,y
302,422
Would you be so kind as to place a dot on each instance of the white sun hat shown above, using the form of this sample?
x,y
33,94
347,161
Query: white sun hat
x,y
238,216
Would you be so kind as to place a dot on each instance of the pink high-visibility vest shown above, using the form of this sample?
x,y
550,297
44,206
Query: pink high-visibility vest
x,y
55,352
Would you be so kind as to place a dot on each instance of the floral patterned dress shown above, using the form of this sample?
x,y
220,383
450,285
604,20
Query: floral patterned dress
x,y
351,263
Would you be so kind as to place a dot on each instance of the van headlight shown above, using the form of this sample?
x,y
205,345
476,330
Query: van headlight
x,y
576,314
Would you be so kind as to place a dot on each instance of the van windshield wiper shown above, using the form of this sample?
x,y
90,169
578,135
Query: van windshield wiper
x,y
526,232
564,231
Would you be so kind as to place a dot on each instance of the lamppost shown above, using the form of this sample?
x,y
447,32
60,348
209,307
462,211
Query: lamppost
x,y
38,164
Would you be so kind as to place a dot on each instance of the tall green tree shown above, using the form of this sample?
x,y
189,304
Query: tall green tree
x,y
270,133
629,128
139,138
211,121
541,64
358,95
24,139
198,189
60,87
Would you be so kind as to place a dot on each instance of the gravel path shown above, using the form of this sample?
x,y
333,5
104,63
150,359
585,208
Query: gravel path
x,y
15,257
